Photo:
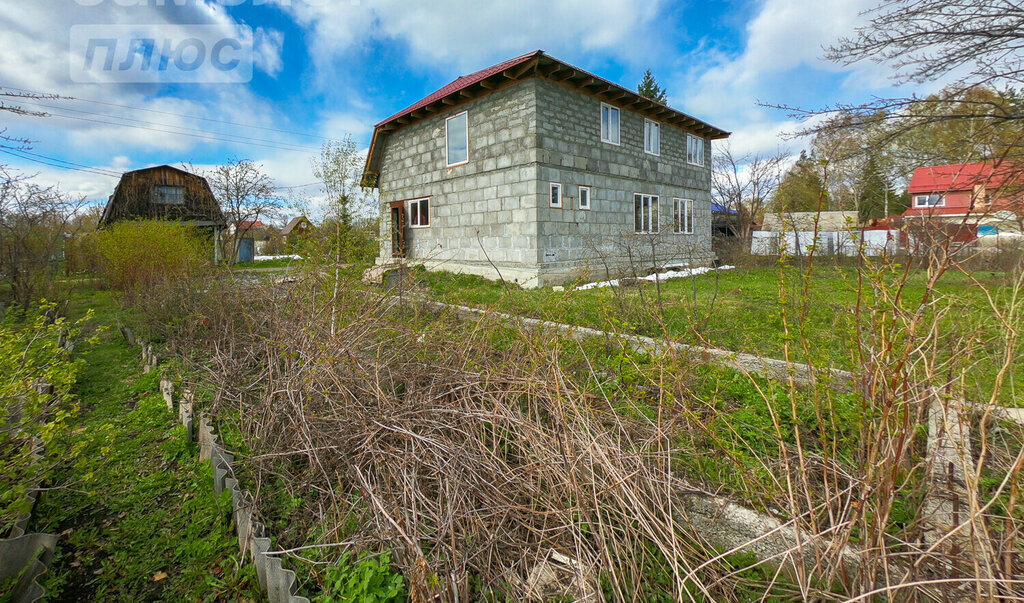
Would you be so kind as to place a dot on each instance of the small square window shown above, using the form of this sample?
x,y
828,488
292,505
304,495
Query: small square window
x,y
169,195
652,137
555,195
609,124
584,197
694,150
419,213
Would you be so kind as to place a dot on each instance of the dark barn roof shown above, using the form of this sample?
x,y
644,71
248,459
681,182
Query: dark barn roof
x,y
134,194
513,71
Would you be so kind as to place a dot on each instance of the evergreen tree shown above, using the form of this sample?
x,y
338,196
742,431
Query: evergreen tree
x,y
877,193
802,187
649,88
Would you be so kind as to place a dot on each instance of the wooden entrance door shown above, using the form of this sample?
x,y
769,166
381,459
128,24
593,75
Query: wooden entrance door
x,y
398,229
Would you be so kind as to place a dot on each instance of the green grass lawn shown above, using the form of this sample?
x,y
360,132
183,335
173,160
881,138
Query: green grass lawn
x,y
764,311
135,511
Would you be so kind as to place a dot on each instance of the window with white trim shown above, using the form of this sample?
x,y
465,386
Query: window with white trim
x,y
609,124
682,216
929,200
694,150
584,197
419,213
652,137
645,213
456,139
555,195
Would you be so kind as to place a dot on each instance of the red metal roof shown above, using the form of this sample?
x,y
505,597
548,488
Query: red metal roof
x,y
461,83
959,177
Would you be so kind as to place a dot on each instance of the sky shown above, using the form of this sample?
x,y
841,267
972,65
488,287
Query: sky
x,y
272,80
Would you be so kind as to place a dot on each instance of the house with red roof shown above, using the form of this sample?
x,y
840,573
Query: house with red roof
x,y
983,193
533,170
244,226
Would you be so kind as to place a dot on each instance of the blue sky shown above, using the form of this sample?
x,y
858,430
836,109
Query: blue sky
x,y
327,68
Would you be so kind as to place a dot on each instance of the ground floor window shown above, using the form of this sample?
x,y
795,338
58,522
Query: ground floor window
x,y
645,213
419,213
555,195
584,197
682,216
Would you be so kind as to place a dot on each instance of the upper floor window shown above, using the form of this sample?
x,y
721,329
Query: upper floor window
x,y
609,124
929,201
555,195
584,197
682,216
652,137
169,195
419,213
645,213
694,150
456,136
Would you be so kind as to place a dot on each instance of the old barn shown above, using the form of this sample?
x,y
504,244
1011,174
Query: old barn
x,y
164,192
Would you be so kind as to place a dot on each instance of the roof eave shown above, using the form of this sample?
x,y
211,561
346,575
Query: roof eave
x,y
536,64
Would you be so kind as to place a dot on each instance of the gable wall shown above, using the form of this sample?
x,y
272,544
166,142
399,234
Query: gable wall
x,y
490,202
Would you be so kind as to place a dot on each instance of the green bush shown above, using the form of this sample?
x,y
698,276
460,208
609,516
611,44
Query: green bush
x,y
31,419
138,256
367,580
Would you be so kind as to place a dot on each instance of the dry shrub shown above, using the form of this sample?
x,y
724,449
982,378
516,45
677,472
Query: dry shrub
x,y
481,455
486,457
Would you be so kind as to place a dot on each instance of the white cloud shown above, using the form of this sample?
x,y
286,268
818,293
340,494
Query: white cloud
x,y
470,34
267,45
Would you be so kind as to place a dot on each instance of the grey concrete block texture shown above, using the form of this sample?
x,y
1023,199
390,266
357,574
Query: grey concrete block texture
x,y
494,211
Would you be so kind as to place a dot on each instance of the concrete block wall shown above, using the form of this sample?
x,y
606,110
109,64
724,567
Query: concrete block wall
x,y
571,152
482,212
495,209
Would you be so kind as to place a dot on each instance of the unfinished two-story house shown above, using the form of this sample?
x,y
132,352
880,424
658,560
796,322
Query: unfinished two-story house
x,y
538,171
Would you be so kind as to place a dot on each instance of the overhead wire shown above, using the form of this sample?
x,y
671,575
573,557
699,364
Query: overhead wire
x,y
59,163
171,113
225,137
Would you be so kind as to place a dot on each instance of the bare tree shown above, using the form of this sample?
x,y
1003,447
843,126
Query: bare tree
x,y
926,39
337,167
923,40
9,103
246,194
746,183
33,223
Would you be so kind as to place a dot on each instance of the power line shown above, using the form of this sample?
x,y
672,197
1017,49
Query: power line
x,y
209,119
88,170
277,147
229,137
72,163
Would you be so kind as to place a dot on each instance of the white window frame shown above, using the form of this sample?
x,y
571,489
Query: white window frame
x,y
649,220
585,206
447,161
606,136
682,215
551,195
691,157
940,203
649,147
414,209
